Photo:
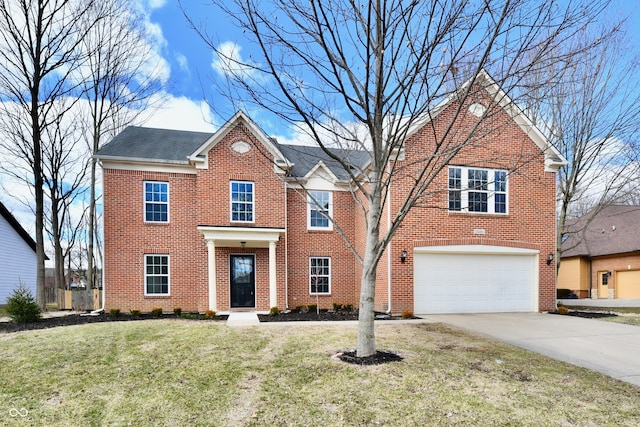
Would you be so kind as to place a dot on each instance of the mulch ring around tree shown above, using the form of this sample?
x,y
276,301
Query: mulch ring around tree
x,y
80,319
379,358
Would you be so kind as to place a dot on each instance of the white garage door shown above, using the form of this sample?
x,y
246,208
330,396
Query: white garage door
x,y
475,279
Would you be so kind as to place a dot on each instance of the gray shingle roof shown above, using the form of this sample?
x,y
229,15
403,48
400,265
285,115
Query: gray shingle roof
x,y
175,146
158,145
613,230
306,158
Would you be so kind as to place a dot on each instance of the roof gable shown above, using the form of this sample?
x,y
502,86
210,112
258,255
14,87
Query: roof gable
x,y
553,158
4,212
200,155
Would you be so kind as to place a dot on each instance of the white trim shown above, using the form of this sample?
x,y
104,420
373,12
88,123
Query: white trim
x,y
146,166
168,276
144,201
328,276
475,249
253,201
464,190
253,237
312,204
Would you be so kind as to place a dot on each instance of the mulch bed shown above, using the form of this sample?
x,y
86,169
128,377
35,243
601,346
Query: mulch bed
x,y
328,316
77,319
379,358
586,314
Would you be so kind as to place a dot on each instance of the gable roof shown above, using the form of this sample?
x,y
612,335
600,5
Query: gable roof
x,y
612,230
553,158
153,145
166,146
17,227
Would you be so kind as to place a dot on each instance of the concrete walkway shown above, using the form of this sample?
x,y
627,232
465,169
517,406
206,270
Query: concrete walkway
x,y
610,348
601,302
243,319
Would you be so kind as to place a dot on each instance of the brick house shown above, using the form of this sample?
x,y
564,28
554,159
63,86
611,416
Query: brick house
x,y
234,220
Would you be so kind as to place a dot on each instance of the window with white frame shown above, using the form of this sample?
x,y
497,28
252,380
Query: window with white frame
x,y
156,274
319,210
156,201
477,190
242,201
320,275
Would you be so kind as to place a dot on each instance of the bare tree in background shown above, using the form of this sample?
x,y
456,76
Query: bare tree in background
x,y
118,79
39,42
363,75
591,116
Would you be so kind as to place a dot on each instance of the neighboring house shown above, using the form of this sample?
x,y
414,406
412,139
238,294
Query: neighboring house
x,y
221,221
18,261
601,254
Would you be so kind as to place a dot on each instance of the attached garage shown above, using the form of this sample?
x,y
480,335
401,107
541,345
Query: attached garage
x,y
628,284
475,279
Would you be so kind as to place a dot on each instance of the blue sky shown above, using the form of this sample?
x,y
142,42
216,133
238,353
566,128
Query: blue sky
x,y
190,68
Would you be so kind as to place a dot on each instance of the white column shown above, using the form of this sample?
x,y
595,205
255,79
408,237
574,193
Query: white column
x,y
273,289
211,261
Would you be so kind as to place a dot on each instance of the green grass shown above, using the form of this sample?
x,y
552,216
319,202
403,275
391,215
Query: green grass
x,y
179,372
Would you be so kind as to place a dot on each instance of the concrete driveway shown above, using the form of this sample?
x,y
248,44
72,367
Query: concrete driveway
x,y
610,348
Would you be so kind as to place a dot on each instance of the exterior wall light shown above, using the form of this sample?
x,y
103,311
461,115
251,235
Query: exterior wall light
x,y
403,256
550,259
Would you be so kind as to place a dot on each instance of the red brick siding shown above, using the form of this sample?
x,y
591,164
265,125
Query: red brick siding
x,y
304,243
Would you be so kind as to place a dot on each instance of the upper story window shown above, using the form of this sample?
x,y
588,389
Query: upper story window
x,y
156,274
156,201
319,210
242,201
477,190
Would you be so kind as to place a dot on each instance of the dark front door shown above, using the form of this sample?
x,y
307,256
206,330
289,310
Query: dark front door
x,y
243,281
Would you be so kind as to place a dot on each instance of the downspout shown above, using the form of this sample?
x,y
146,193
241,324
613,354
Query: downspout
x,y
389,246
286,248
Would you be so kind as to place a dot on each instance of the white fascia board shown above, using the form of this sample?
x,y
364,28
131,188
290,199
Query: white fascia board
x,y
475,249
146,166
234,236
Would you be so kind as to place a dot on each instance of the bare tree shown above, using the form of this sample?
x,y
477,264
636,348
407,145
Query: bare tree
x,y
65,164
364,75
39,42
118,80
591,116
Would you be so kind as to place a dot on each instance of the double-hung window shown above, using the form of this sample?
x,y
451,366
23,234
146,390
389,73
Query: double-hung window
x,y
319,210
320,275
156,274
156,201
242,201
477,190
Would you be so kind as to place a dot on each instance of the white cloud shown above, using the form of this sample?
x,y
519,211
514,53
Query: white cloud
x,y
179,113
228,62
183,62
157,4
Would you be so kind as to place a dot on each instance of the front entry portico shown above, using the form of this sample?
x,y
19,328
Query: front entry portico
x,y
240,237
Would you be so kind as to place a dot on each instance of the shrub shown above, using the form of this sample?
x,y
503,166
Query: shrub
x,y
135,313
562,309
274,311
115,312
177,311
312,307
337,306
347,307
22,307
407,314
156,311
209,314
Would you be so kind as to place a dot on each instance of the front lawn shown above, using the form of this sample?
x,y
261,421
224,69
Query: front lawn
x,y
180,372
